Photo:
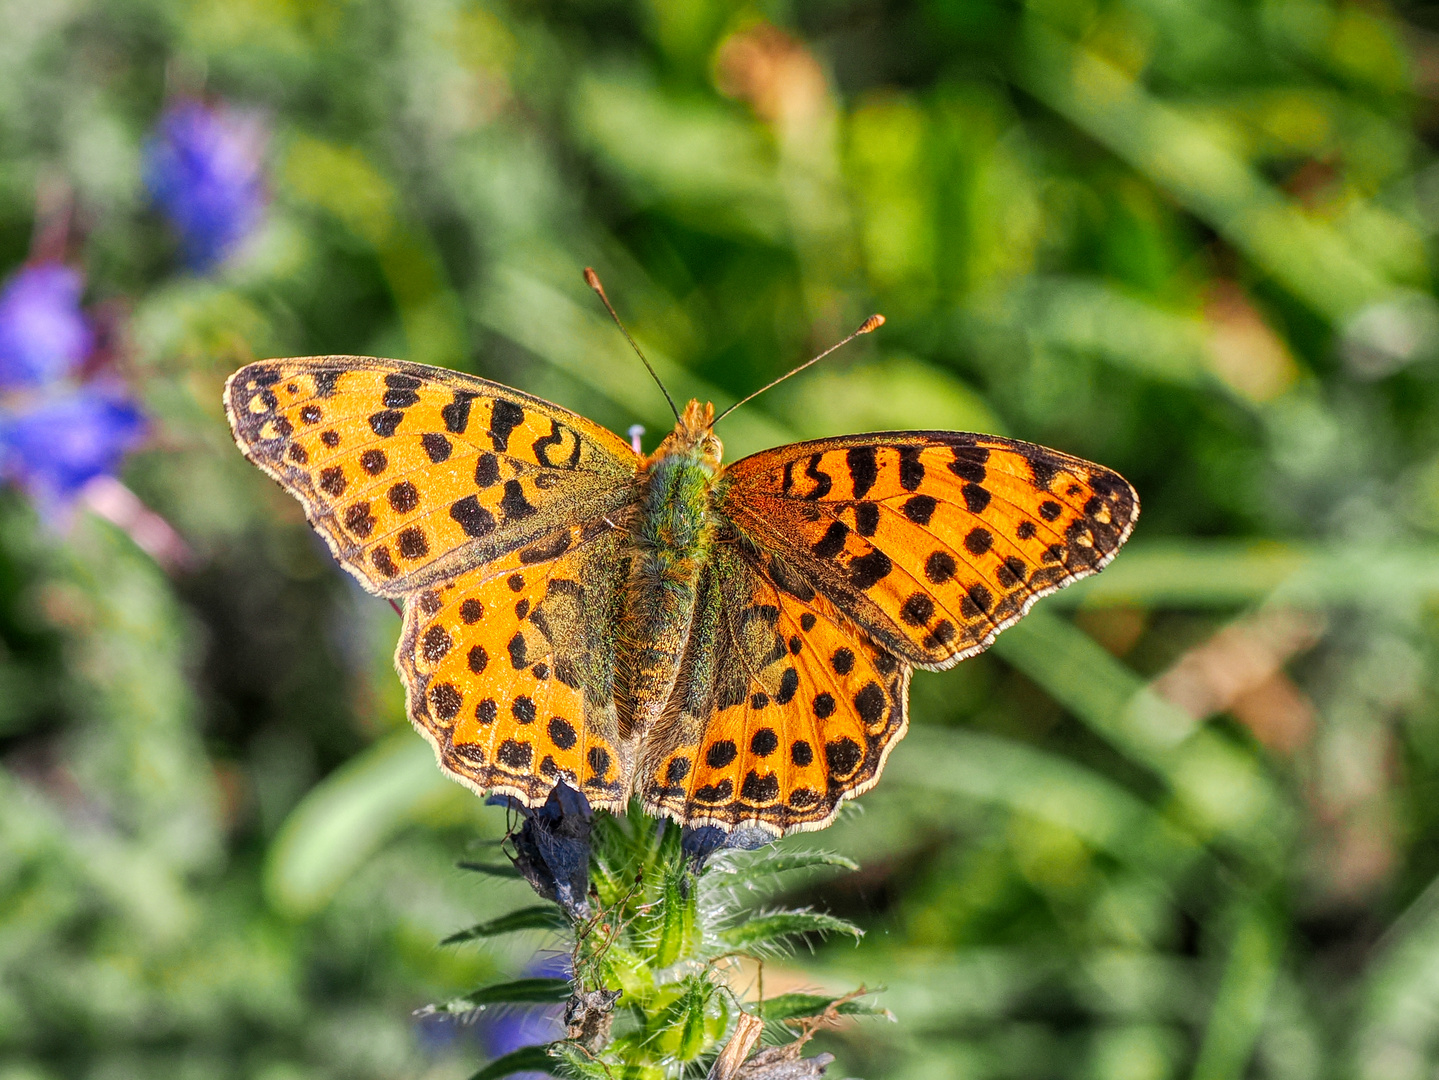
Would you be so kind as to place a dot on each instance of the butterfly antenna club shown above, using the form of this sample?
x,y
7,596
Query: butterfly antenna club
x,y
593,281
874,322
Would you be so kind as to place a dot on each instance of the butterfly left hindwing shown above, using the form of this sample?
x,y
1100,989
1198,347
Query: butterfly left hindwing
x,y
509,669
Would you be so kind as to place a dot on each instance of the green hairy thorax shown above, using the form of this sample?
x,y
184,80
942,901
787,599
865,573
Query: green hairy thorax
x,y
671,534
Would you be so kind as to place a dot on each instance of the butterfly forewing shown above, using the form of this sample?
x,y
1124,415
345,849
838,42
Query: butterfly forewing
x,y
787,709
510,669
413,473
931,541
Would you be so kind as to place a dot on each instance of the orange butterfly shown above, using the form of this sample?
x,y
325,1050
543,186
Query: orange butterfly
x,y
730,644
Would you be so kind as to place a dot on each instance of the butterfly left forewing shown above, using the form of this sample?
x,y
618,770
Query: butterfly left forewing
x,y
785,709
933,542
509,669
414,473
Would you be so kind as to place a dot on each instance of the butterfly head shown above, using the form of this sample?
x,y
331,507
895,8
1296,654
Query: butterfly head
x,y
693,437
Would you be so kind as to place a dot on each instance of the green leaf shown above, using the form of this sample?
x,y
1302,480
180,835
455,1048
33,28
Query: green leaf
x,y
516,992
768,929
504,870
786,861
793,1006
525,1059
538,917
349,816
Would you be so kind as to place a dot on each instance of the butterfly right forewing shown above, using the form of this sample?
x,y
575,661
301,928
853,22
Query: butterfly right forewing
x,y
933,542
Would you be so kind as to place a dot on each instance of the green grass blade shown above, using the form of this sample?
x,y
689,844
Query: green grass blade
x,y
763,930
538,917
525,1059
532,991
794,1006
785,862
501,870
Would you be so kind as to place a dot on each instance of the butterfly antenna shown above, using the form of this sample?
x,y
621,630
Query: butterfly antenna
x,y
874,322
593,281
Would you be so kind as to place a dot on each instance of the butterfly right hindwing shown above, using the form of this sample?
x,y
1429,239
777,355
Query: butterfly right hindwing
x,y
785,710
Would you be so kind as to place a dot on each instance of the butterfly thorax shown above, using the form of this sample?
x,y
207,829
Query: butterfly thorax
x,y
671,532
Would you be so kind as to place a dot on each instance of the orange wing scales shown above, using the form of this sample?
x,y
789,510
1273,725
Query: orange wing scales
x,y
412,473
933,541
517,534
510,672
788,710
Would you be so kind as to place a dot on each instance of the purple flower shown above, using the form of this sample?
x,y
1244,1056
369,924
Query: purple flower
x,y
203,168
43,335
54,447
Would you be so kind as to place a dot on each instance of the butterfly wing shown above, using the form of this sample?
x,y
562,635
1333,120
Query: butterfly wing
x,y
509,669
786,707
932,541
413,474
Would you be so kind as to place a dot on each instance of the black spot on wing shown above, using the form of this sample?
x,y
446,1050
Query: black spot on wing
x,y
400,399
384,423
437,447
976,498
978,541
472,517
545,550
412,544
514,505
920,508
832,542
457,413
822,481
332,480
867,570
863,468
911,469
969,462
504,418
487,471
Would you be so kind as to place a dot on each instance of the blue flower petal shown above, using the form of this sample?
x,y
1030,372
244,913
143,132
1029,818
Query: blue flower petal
x,y
43,334
204,170
54,448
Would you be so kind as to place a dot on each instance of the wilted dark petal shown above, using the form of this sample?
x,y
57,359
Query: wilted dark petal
x,y
552,848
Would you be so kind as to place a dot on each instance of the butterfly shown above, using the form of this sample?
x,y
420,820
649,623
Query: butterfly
x,y
732,644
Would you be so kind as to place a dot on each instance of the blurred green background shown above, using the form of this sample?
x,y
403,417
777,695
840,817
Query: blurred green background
x,y
1183,821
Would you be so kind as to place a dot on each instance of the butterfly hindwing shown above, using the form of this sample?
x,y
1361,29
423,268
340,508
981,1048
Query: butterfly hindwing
x,y
785,709
510,670
932,541
412,473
